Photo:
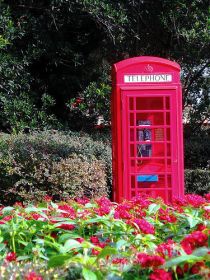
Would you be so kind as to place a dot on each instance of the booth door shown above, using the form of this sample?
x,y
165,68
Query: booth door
x,y
149,143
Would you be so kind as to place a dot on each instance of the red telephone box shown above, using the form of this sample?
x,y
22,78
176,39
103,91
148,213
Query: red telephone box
x,y
147,135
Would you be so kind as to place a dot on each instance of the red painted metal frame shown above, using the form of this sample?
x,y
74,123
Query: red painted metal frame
x,y
125,167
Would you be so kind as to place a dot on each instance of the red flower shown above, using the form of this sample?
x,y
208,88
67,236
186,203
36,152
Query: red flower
x,y
166,216
47,198
195,200
6,219
102,244
82,201
33,276
195,269
99,126
11,256
120,261
95,252
144,226
192,199
103,210
78,100
160,274
201,227
54,235
18,204
121,212
94,240
141,200
67,211
179,201
67,226
36,216
149,261
166,249
80,239
104,201
207,197
181,271
194,240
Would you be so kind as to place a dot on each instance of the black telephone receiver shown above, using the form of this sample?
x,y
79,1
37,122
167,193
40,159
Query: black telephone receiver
x,y
147,134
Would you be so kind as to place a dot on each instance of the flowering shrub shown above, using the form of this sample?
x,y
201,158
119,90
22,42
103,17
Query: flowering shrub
x,y
143,238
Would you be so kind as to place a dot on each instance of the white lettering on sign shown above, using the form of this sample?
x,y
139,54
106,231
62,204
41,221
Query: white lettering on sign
x,y
150,78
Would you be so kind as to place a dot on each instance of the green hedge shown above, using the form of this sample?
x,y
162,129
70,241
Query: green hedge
x,y
197,181
64,164
54,163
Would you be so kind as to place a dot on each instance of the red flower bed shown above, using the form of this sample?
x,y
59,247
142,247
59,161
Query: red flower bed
x,y
141,239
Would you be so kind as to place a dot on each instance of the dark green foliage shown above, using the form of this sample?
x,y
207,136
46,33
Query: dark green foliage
x,y
74,272
54,163
197,150
20,106
65,49
197,181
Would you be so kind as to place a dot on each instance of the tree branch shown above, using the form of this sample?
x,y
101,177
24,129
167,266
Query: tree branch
x,y
196,76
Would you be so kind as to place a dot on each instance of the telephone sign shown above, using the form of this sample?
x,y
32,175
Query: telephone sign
x,y
147,136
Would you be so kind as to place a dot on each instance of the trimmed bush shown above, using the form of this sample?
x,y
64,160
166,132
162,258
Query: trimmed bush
x,y
197,181
53,163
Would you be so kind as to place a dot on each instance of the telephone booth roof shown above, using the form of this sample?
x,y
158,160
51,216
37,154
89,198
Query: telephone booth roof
x,y
146,65
145,59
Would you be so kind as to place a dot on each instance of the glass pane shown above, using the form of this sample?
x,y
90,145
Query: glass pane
x,y
168,150
148,165
132,150
169,181
131,134
131,121
149,103
146,119
168,134
168,121
131,103
159,134
167,103
132,181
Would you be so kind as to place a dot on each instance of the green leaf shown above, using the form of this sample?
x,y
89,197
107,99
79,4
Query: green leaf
x,y
208,264
200,252
90,205
120,243
2,246
71,244
181,259
7,209
58,260
107,251
192,221
23,258
54,205
64,237
153,208
88,274
34,209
